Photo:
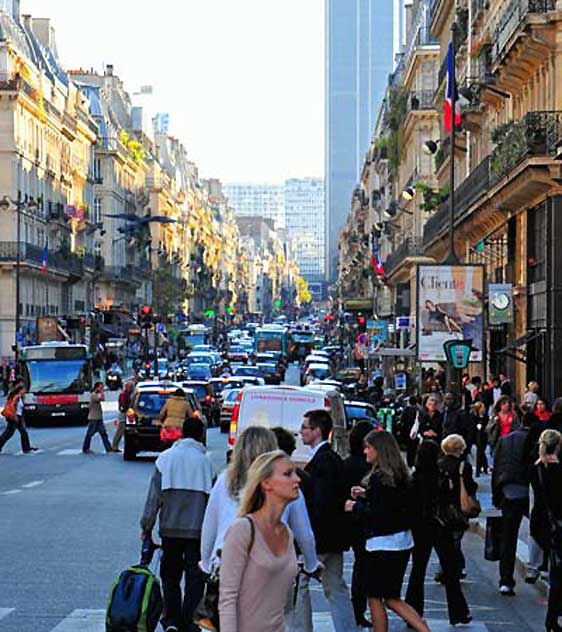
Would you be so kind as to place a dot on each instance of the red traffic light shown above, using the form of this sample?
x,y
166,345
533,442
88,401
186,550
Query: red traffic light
x,y
361,320
146,310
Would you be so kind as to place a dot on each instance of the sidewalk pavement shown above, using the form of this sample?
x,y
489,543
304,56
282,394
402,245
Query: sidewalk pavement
x,y
478,526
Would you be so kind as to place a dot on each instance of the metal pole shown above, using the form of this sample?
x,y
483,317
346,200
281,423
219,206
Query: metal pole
x,y
452,256
18,265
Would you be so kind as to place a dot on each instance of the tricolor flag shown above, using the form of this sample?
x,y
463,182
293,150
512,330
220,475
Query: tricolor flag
x,y
44,258
376,263
450,94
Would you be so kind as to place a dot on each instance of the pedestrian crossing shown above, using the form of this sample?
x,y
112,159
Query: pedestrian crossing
x,y
93,620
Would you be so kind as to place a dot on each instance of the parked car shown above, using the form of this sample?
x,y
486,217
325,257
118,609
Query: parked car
x,y
142,424
316,371
271,372
199,372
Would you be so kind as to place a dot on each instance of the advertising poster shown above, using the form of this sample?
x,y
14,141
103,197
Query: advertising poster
x,y
378,332
450,306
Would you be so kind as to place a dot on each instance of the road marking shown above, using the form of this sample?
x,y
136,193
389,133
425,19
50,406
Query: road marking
x,y
4,612
20,453
82,620
70,452
32,484
11,492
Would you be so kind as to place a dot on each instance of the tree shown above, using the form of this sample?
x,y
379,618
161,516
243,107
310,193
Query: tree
x,y
303,293
168,291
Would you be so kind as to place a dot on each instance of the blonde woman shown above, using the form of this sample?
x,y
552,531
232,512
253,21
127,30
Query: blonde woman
x,y
259,562
224,502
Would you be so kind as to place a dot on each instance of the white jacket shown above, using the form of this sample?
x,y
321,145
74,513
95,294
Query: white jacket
x,y
222,511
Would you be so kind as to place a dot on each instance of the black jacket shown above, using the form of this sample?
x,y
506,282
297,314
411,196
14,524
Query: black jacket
x,y
449,466
407,421
433,422
549,493
511,462
385,509
457,421
326,500
355,468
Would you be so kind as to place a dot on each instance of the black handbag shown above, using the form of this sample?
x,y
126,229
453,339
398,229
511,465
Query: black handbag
x,y
206,613
492,545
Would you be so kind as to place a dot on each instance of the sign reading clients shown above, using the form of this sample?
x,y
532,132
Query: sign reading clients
x,y
450,307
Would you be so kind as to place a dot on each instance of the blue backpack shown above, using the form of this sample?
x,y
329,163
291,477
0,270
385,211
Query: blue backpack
x,y
135,601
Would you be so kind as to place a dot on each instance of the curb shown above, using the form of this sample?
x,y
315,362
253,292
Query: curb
x,y
479,528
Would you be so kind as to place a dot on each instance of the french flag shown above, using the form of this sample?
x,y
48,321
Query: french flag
x,y
376,263
450,94
44,258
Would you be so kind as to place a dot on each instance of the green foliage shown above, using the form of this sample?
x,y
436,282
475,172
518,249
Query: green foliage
x,y
511,142
167,290
133,146
397,110
432,198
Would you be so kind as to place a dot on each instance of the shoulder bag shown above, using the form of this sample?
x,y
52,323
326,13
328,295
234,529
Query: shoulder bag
x,y
470,505
206,613
9,411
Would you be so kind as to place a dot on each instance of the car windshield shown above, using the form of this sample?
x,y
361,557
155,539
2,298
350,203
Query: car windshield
x,y
319,371
198,359
237,349
354,412
200,369
232,395
58,376
253,371
151,403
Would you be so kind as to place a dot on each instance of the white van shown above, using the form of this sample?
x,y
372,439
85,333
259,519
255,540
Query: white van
x,y
285,406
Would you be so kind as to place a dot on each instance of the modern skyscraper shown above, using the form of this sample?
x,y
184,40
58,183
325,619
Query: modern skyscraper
x,y
305,220
263,200
359,58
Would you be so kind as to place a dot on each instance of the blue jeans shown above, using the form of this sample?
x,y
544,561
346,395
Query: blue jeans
x,y
96,426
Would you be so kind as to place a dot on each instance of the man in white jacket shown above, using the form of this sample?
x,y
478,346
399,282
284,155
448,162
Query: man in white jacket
x,y
178,495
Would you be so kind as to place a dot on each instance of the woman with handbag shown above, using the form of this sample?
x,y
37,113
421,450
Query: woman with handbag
x,y
451,467
429,533
13,413
546,480
386,508
259,562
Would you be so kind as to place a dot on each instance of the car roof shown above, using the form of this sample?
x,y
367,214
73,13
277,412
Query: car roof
x,y
359,404
319,365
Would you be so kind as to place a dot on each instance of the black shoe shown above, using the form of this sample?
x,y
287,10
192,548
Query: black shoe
x,y
439,577
30,450
463,620
507,591
463,574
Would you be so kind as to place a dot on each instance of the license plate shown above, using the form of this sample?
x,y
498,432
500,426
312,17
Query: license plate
x,y
58,414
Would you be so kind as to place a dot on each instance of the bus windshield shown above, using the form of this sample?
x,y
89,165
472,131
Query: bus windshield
x,y
58,376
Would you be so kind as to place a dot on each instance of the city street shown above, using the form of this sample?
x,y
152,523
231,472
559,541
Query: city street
x,y
70,524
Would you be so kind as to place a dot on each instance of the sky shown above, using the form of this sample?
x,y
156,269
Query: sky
x,y
242,80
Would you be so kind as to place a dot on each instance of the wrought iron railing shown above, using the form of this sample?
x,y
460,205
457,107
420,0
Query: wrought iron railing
x,y
410,247
421,100
30,253
512,18
477,7
420,36
471,188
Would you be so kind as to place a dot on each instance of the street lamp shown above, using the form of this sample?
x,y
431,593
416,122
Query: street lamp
x,y
31,205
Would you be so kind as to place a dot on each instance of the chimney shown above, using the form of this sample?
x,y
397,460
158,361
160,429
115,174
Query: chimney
x,y
109,70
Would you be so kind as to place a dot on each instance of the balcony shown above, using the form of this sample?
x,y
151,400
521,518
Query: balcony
x,y
420,100
33,255
420,36
537,134
512,20
478,8
410,247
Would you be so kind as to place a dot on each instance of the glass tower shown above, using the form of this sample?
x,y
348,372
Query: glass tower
x,y
359,58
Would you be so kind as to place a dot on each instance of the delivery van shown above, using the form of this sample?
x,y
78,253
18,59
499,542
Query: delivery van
x,y
285,406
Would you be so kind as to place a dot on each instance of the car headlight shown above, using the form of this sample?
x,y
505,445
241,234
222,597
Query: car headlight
x,y
30,407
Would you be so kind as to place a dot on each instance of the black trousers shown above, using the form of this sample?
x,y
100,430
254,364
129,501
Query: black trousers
x,y
512,513
180,556
481,458
411,451
358,581
433,536
11,428
554,609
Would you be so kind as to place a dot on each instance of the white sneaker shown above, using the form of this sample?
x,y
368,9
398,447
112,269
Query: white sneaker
x,y
507,591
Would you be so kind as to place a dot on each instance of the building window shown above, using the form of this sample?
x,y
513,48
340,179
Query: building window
x,y
97,210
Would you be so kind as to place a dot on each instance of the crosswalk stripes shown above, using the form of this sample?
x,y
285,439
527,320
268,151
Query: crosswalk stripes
x,y
82,621
28,454
93,620
70,452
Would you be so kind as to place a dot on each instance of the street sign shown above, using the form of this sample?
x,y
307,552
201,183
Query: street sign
x,y
401,381
500,303
20,337
160,328
458,352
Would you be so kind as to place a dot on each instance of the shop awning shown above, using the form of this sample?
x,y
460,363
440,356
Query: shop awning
x,y
521,341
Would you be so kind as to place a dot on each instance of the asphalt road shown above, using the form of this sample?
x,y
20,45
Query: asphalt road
x,y
70,524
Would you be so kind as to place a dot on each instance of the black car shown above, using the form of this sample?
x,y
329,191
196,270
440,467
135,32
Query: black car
x,y
271,372
142,424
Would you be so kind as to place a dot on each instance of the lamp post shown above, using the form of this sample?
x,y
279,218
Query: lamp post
x,y
30,205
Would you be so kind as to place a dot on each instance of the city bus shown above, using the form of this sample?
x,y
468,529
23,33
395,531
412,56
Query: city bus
x,y
272,339
58,377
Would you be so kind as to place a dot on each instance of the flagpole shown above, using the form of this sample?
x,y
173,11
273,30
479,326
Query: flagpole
x,y
452,256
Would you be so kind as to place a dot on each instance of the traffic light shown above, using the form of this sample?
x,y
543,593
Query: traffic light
x,y
277,302
231,311
361,323
146,317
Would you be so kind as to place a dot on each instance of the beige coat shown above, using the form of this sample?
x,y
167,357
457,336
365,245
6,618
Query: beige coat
x,y
175,411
